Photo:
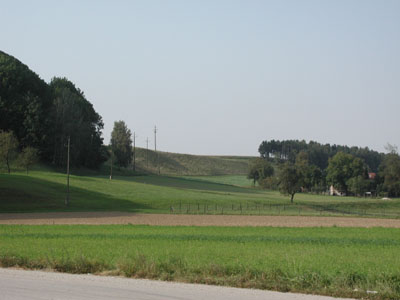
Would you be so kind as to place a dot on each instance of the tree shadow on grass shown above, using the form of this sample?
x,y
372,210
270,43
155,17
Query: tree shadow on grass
x,y
19,193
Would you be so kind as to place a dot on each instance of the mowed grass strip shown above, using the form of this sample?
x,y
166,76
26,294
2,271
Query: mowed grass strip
x,y
348,262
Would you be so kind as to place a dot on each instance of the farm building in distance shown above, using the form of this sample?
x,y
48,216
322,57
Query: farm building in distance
x,y
334,192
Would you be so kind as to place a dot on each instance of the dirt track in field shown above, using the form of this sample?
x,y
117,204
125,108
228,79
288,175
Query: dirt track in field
x,y
98,218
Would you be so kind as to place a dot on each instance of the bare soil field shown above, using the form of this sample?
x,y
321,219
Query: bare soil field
x,y
99,218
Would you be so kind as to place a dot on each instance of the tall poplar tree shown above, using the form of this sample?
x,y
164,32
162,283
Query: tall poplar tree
x,y
121,144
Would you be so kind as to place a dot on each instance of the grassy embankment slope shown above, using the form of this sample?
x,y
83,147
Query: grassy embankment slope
x,y
332,261
186,164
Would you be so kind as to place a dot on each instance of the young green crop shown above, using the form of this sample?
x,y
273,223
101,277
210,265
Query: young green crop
x,y
332,261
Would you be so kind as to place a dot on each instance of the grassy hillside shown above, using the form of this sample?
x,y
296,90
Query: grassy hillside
x,y
46,191
238,180
187,164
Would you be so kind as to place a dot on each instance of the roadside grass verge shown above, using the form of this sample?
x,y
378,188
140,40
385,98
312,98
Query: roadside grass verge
x,y
346,262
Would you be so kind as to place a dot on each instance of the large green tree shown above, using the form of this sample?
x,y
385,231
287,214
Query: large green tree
x,y
73,116
290,180
318,179
28,157
311,176
44,115
358,185
390,171
25,103
342,167
304,170
121,144
260,169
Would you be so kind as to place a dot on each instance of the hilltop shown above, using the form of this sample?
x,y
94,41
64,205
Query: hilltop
x,y
188,164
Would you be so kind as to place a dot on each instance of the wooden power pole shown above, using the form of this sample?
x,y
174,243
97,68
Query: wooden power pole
x,y
134,151
147,152
155,149
112,153
155,138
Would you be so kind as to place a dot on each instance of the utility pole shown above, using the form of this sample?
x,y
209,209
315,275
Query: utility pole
x,y
112,153
147,152
134,151
67,198
155,149
155,138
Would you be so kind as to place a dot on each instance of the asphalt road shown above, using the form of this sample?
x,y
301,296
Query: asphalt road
x,y
21,284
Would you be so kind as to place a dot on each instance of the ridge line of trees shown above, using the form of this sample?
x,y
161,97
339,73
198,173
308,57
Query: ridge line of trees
x,y
318,154
296,166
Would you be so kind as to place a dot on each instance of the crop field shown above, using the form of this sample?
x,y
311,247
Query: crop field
x,y
332,261
43,191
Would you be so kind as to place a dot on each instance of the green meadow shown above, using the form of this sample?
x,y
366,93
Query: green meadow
x,y
238,180
348,262
330,261
42,191
170,163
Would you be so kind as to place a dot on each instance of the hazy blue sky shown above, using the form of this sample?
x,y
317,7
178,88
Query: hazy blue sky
x,y
218,77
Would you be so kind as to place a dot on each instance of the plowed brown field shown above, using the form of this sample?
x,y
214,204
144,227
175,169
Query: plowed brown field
x,y
98,218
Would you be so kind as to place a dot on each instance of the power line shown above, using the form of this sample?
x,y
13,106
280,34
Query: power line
x,y
67,198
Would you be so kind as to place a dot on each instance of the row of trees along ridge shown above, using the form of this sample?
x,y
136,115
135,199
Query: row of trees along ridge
x,y
313,167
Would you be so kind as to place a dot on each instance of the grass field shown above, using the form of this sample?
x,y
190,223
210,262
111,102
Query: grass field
x,y
187,164
46,190
331,261
238,180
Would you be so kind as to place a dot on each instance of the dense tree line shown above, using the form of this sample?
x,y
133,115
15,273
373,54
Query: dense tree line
x,y
318,154
390,174
25,103
43,116
312,167
75,117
